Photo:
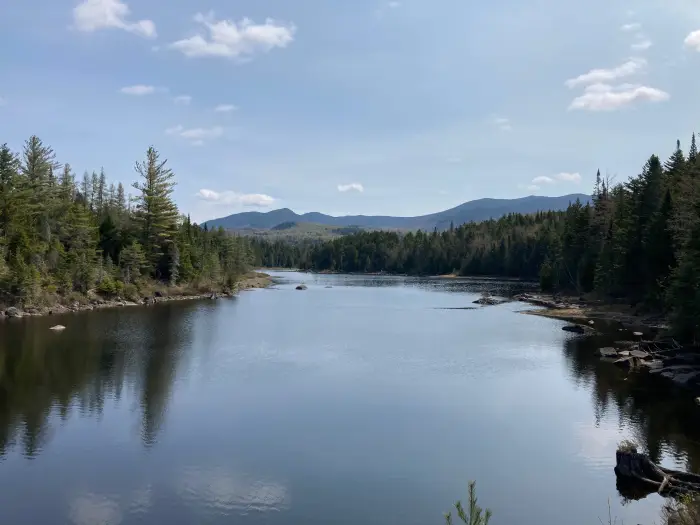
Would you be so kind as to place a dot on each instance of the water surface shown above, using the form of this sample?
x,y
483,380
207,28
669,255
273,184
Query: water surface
x,y
362,400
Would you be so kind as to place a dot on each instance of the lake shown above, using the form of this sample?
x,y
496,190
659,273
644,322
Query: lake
x,y
362,400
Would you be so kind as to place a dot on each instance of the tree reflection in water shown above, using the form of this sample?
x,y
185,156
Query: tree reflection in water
x,y
46,376
663,421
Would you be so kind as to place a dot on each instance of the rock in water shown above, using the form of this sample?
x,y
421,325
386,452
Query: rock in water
x,y
576,329
57,328
302,287
607,352
13,312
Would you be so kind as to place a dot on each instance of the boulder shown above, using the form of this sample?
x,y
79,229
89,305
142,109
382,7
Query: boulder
x,y
607,352
302,287
57,328
13,312
487,301
640,354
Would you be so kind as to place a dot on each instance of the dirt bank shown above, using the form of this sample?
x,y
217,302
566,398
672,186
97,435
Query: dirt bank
x,y
253,280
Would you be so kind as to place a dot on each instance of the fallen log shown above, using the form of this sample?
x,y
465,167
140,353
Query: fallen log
x,y
640,474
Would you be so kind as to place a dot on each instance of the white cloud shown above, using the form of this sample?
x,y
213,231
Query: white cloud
x,y
693,40
196,136
138,90
503,123
353,186
225,108
597,76
185,100
641,45
92,15
604,97
543,180
259,200
568,177
230,39
631,27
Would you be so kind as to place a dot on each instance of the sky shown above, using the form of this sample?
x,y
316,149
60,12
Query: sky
x,y
392,107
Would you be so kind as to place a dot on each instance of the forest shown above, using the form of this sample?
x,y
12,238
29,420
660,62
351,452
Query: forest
x,y
61,239
638,240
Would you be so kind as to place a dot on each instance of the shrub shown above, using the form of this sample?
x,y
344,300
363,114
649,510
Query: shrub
x,y
106,286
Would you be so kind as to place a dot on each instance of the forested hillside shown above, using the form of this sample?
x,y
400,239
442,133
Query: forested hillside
x,y
60,238
638,240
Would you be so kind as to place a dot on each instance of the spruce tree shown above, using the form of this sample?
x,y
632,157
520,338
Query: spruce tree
x,y
156,214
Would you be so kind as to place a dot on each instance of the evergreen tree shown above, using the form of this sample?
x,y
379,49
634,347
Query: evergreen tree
x,y
156,214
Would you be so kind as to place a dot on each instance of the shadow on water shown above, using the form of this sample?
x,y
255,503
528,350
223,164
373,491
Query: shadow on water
x,y
46,375
664,421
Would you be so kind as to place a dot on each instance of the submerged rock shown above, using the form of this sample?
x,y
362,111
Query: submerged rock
x,y
57,328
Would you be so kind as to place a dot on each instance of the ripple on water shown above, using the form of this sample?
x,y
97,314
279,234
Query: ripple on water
x,y
215,490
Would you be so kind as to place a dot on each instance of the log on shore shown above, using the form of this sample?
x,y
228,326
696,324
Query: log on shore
x,y
639,474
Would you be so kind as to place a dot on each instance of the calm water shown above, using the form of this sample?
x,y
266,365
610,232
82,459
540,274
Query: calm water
x,y
374,401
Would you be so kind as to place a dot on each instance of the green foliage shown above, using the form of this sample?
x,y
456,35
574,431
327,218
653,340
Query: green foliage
x,y
61,238
637,241
473,515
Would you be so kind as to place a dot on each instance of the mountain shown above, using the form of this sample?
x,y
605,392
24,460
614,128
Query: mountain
x,y
477,210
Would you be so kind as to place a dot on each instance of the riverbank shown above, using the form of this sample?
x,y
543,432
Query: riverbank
x,y
589,312
92,301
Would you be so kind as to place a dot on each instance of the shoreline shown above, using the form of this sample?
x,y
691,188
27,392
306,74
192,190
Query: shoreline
x,y
586,312
252,281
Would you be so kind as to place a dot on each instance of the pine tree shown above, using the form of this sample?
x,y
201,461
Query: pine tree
x,y
693,152
156,214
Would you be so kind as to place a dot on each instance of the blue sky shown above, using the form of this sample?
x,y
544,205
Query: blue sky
x,y
366,106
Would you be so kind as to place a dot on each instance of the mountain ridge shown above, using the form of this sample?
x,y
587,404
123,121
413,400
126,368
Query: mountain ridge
x,y
476,210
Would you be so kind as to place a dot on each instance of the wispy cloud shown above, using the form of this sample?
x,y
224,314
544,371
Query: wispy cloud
x,y
503,123
596,76
231,39
605,97
138,90
196,136
93,15
225,108
542,179
353,186
258,200
641,45
184,100
568,177
634,26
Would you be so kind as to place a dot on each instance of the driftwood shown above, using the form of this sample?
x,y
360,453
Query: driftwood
x,y
641,476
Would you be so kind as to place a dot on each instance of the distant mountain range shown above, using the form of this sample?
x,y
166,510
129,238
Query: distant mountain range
x,y
477,210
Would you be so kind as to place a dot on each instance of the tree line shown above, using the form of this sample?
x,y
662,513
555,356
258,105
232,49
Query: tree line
x,y
61,238
637,240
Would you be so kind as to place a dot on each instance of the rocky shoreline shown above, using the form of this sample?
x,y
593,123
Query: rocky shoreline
x,y
648,351
94,302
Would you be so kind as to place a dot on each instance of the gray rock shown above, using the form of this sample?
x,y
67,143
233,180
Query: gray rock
x,y
13,312
302,287
607,352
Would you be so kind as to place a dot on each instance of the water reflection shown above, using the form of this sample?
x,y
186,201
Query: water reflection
x,y
215,490
662,421
44,376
